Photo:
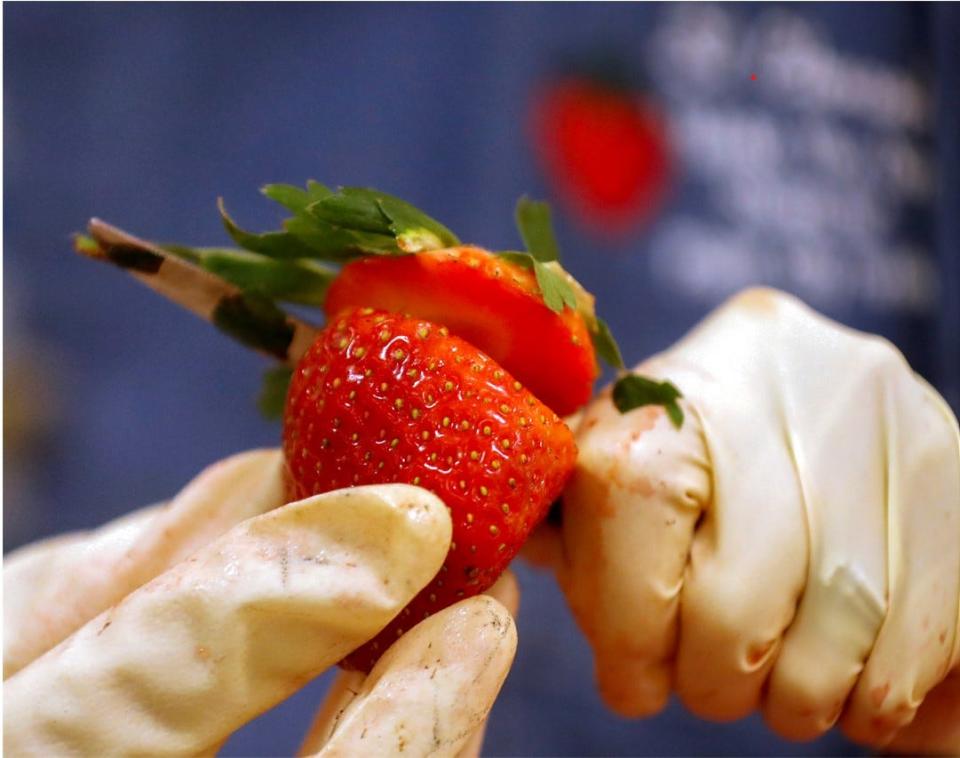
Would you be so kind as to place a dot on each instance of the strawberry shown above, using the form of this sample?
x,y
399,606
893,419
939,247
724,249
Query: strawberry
x,y
377,396
605,148
381,397
491,303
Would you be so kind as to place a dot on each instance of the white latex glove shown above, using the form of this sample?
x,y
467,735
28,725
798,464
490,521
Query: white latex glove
x,y
795,547
164,632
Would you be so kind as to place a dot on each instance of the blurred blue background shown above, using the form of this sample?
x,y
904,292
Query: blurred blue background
x,y
831,174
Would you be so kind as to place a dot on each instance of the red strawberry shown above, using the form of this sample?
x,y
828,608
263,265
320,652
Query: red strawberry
x,y
381,397
492,304
605,148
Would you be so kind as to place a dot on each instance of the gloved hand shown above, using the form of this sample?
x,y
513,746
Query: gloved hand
x,y
165,631
795,547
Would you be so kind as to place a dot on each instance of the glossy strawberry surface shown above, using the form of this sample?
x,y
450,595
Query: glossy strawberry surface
x,y
381,397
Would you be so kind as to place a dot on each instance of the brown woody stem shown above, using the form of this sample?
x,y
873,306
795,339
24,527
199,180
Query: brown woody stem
x,y
270,331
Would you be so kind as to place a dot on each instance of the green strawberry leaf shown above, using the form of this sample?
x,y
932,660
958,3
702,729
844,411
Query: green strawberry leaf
x,y
354,209
273,392
524,260
295,281
552,279
317,191
332,243
305,236
273,244
414,230
85,244
377,212
675,412
291,280
340,226
256,322
605,345
556,290
536,229
293,198
634,391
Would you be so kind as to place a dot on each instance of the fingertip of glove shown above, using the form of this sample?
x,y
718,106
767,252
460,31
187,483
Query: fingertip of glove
x,y
420,512
633,689
507,592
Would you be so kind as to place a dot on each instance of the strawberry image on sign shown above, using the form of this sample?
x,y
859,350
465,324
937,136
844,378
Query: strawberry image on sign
x,y
441,365
603,145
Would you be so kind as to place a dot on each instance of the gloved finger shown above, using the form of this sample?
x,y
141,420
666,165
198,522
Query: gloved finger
x,y
628,518
748,562
220,497
433,688
30,570
350,684
544,548
936,728
858,524
240,625
505,591
923,523
846,486
346,686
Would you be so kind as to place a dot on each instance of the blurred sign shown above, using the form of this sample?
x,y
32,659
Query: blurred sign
x,y
814,176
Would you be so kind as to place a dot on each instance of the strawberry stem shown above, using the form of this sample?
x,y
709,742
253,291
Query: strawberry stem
x,y
255,321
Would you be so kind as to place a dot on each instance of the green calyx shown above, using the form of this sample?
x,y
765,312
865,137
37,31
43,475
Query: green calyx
x,y
340,226
635,391
293,264
558,288
273,392
328,228
334,227
239,289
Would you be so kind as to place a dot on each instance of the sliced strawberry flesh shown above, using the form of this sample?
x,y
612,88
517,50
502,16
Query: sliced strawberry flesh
x,y
494,305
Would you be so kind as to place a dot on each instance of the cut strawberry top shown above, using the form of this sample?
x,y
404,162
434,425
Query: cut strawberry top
x,y
492,304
